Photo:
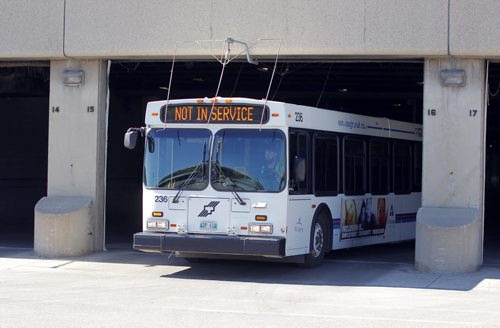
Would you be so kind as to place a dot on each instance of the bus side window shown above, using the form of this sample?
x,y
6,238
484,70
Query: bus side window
x,y
417,167
402,167
354,166
379,167
299,148
326,169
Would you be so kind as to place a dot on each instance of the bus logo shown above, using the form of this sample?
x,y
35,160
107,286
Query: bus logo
x,y
208,209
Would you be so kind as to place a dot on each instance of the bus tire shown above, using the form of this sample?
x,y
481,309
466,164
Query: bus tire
x,y
319,241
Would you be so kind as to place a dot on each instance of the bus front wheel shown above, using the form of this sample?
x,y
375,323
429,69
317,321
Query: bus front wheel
x,y
318,244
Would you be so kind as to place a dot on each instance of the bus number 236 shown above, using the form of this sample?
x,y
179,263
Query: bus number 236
x,y
161,199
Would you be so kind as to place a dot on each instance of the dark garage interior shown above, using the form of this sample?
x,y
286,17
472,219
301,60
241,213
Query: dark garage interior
x,y
24,103
492,174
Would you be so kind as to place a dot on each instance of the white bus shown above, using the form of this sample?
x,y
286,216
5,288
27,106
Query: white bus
x,y
246,177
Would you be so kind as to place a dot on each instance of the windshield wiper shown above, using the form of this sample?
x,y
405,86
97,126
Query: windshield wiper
x,y
192,176
228,182
225,177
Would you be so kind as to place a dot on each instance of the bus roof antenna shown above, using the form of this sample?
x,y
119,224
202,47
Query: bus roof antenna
x,y
226,59
169,86
269,88
250,60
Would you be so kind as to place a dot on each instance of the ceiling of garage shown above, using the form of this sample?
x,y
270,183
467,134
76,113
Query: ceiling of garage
x,y
383,88
390,89
24,81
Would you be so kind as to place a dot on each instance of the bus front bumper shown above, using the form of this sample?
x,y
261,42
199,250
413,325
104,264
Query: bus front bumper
x,y
210,244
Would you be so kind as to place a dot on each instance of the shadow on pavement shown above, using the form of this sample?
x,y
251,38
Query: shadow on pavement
x,y
388,265
374,266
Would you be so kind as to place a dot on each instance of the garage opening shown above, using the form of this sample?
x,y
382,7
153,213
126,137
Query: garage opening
x,y
24,103
376,88
492,174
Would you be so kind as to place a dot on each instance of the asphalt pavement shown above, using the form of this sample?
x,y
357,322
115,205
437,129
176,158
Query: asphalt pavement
x,y
365,287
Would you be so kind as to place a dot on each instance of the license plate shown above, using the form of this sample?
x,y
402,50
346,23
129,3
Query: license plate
x,y
208,225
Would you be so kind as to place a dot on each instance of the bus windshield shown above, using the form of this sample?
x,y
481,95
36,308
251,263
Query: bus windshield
x,y
177,158
248,160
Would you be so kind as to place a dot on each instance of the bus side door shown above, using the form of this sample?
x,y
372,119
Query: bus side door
x,y
300,198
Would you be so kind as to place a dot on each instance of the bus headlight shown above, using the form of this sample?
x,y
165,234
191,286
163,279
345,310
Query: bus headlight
x,y
261,228
162,225
266,229
157,225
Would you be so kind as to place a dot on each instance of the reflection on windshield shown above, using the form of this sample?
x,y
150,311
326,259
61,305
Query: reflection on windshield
x,y
248,160
173,155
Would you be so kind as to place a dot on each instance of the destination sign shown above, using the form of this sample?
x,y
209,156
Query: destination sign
x,y
219,114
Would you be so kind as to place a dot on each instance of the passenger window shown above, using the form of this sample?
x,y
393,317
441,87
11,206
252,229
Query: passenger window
x,y
417,167
326,169
402,168
354,166
379,167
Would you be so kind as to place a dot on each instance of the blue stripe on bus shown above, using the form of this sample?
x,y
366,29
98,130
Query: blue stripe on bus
x,y
374,127
386,129
400,218
402,131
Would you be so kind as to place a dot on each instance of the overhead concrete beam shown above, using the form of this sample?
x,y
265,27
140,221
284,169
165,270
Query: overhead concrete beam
x,y
133,28
474,28
53,29
31,29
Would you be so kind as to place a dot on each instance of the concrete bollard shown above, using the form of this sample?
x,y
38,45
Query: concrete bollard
x,y
63,226
448,240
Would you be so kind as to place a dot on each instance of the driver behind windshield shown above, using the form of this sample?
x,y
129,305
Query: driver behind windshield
x,y
272,172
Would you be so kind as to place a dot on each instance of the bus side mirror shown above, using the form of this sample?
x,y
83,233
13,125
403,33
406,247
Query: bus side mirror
x,y
130,139
299,169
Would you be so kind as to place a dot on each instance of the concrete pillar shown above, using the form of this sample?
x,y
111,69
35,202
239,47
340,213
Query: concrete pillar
x,y
63,226
450,223
77,149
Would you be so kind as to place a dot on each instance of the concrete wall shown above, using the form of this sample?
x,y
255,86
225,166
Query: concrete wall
x,y
474,28
31,29
450,222
453,138
77,138
89,30
339,27
150,28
